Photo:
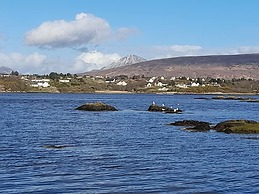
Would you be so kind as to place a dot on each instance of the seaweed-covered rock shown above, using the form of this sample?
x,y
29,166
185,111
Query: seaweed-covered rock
x,y
193,125
97,106
232,98
157,108
237,126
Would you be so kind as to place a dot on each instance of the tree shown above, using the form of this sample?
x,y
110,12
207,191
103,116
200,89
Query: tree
x,y
53,75
15,73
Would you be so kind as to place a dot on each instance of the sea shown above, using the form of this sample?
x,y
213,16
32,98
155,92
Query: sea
x,y
46,146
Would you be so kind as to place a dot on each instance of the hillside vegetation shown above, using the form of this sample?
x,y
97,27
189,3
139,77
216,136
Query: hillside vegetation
x,y
138,84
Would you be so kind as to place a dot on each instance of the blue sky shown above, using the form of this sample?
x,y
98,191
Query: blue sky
x,y
80,35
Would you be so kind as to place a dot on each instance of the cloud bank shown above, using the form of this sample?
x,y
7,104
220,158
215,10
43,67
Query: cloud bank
x,y
157,52
32,63
176,50
94,60
85,29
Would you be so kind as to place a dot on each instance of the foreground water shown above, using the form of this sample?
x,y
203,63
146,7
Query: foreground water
x,y
128,151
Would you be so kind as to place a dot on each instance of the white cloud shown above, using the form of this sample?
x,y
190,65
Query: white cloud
x,y
176,50
84,30
32,63
246,49
124,33
194,50
184,49
94,60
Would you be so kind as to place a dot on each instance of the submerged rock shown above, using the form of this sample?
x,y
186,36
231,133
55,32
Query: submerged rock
x,y
97,106
193,125
157,108
238,126
55,146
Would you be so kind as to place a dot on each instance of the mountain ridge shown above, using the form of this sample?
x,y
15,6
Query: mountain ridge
x,y
218,66
125,61
5,70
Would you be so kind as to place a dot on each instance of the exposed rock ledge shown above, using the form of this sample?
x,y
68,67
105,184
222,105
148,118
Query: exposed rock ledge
x,y
157,108
193,125
238,126
97,106
229,126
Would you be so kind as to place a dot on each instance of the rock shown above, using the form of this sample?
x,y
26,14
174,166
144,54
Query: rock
x,y
202,98
229,126
253,100
97,106
55,146
232,98
238,126
194,125
157,108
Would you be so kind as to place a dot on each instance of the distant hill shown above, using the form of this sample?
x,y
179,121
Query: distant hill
x,y
5,70
127,60
216,66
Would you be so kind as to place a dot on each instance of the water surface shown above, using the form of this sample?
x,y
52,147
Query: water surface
x,y
127,151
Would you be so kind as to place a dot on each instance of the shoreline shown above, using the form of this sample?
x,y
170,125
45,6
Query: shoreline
x,y
127,92
171,93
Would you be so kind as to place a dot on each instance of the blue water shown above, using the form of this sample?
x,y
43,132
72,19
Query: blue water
x,y
128,151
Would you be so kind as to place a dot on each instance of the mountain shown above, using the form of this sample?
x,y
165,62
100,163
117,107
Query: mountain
x,y
128,60
5,70
216,66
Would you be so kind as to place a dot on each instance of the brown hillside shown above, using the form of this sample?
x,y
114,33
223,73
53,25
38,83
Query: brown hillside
x,y
216,66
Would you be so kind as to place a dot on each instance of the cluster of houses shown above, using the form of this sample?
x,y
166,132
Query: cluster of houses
x,y
42,83
162,83
159,82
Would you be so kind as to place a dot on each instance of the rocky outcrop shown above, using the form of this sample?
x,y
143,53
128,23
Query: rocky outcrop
x,y
229,126
157,108
232,98
97,106
193,125
238,126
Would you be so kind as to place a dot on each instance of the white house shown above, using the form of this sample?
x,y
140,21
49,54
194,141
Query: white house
x,y
181,85
194,84
40,84
64,81
122,83
44,83
151,80
159,84
149,85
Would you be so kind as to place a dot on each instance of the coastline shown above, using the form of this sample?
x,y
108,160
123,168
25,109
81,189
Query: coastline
x,y
127,92
171,93
113,92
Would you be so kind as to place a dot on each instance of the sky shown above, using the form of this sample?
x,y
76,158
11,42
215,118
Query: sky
x,y
74,36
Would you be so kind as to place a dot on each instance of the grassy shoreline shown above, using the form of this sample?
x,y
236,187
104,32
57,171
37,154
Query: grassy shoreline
x,y
127,92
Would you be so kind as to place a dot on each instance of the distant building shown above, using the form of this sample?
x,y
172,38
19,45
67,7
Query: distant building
x,y
181,85
122,83
40,84
64,81
194,84
149,85
151,80
37,83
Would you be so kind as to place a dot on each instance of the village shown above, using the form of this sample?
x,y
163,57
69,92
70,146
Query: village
x,y
69,83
